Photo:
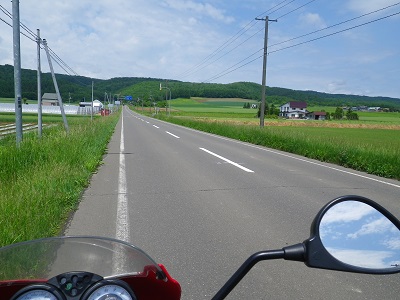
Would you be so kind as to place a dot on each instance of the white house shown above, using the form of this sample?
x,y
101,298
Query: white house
x,y
98,104
293,110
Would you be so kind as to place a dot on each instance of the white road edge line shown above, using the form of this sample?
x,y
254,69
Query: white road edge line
x,y
175,136
286,155
122,226
227,160
266,149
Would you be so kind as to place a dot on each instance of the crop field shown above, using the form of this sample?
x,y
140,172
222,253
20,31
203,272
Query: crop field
x,y
202,105
367,138
32,118
7,100
231,110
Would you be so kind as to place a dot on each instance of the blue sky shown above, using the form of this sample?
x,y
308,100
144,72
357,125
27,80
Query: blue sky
x,y
172,38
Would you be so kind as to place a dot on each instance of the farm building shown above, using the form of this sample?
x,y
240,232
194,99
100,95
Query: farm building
x,y
50,99
317,115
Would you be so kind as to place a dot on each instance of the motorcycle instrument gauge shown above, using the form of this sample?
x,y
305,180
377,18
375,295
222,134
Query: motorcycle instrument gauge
x,y
38,292
110,291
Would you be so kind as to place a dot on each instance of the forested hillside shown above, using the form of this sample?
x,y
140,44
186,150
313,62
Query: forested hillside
x,y
149,89
78,87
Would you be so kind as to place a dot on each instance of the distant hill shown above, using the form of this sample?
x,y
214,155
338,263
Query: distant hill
x,y
79,87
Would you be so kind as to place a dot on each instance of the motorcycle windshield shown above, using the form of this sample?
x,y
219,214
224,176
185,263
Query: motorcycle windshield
x,y
45,258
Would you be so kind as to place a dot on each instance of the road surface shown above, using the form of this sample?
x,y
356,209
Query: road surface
x,y
201,204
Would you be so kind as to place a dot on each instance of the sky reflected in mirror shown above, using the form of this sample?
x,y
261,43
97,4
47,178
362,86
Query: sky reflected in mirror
x,y
357,234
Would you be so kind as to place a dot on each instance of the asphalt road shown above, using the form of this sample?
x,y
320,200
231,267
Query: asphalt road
x,y
201,204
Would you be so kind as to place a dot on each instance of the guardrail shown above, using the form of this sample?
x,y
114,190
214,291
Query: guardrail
x,y
11,128
55,110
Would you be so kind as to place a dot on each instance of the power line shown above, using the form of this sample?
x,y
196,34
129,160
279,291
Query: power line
x,y
270,11
340,23
30,32
225,53
334,33
232,39
230,70
295,9
279,8
33,37
240,33
208,59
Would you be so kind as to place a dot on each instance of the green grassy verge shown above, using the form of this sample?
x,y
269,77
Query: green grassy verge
x,y
369,150
42,180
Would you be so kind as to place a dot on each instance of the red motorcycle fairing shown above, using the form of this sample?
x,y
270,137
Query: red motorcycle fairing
x,y
145,287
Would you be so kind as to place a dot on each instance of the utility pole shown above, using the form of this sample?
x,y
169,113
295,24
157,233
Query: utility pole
x,y
166,98
264,76
91,114
17,71
39,86
60,103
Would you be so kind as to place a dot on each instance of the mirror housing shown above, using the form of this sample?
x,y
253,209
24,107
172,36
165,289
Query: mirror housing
x,y
316,254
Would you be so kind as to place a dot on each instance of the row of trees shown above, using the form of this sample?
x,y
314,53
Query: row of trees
x,y
79,87
340,114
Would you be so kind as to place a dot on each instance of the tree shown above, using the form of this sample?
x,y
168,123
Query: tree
x,y
265,110
338,114
351,115
273,111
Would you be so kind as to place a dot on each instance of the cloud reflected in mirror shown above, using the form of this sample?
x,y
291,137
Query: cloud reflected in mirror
x,y
357,234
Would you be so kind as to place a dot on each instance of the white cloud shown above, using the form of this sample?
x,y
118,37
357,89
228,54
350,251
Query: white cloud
x,y
347,212
393,243
379,226
200,8
153,38
337,87
363,258
366,6
314,20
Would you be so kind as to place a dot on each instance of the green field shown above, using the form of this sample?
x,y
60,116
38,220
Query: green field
x,y
197,105
233,108
366,138
41,181
32,118
7,100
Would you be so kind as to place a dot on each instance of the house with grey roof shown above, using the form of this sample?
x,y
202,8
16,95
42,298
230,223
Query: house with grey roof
x,y
50,99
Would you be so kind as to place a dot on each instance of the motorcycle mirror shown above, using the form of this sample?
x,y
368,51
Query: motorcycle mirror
x,y
354,234
350,233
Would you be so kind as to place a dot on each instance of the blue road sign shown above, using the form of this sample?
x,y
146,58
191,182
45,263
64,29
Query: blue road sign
x,y
128,98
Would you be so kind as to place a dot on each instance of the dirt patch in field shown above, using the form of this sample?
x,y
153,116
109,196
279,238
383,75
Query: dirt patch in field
x,y
202,100
301,123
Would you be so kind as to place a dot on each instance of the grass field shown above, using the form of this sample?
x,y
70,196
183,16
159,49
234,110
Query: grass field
x,y
232,110
32,118
42,180
7,100
211,105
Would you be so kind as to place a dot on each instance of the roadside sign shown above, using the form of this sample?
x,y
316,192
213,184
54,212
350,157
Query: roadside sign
x,y
128,98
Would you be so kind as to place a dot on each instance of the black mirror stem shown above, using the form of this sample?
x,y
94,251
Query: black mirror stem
x,y
245,268
295,252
